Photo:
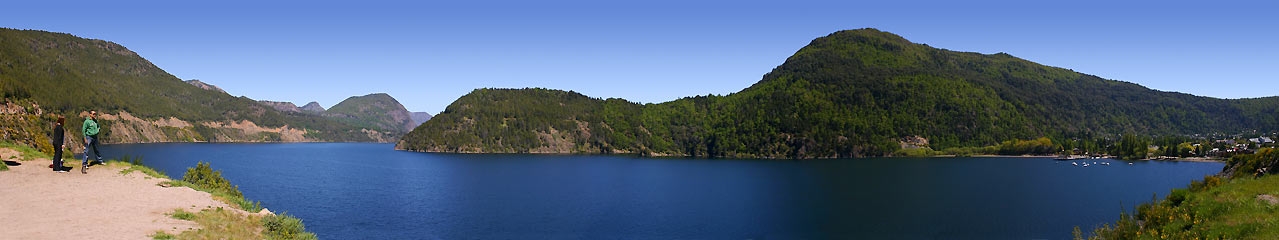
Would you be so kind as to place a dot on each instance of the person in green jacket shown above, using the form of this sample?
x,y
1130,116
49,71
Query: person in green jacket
x,y
90,130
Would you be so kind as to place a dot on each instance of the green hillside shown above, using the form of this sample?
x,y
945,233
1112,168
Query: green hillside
x,y
851,93
66,74
377,111
1240,203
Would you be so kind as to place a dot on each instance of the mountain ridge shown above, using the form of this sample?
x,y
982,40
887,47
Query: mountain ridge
x,y
851,93
68,75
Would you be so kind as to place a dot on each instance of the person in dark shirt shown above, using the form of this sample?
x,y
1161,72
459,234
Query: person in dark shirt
x,y
59,137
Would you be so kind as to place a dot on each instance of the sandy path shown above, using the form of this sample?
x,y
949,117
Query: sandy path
x,y
36,203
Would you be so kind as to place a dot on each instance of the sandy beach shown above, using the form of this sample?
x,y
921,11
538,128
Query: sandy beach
x,y
37,203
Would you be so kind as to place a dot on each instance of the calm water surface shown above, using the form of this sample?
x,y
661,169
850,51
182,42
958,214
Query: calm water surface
x,y
361,191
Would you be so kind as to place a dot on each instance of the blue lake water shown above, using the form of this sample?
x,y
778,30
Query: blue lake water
x,y
363,191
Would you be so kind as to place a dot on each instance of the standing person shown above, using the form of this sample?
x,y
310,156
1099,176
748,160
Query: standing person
x,y
58,144
90,130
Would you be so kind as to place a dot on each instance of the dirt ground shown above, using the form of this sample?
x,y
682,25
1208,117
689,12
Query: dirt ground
x,y
37,203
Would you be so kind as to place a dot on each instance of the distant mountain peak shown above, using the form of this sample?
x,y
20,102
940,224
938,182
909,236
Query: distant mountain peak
x,y
313,107
420,117
378,111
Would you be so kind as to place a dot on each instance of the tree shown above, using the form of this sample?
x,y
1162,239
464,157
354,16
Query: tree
x,y
1132,147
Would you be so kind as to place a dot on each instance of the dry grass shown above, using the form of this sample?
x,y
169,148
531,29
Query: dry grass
x,y
218,223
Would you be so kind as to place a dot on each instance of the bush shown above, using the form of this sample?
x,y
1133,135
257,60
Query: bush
x,y
1177,196
1207,183
914,152
204,176
283,226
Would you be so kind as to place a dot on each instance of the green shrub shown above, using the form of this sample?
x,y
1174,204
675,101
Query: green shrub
x,y
914,152
1177,196
284,226
204,176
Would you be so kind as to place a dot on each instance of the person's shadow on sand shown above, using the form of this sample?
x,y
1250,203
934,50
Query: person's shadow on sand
x,y
12,163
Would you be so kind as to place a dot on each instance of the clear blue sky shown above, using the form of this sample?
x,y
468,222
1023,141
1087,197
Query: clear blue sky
x,y
426,54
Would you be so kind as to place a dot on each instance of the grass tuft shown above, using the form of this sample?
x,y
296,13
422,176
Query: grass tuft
x,y
283,226
182,214
161,235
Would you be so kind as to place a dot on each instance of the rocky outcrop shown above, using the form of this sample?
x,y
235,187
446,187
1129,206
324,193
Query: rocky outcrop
x,y
313,107
419,118
24,123
205,86
281,106
123,127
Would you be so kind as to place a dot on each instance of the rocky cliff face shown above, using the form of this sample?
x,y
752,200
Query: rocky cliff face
x,y
205,86
123,127
281,106
24,123
313,107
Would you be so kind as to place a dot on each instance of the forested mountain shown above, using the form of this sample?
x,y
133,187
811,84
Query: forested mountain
x,y
67,75
377,111
851,93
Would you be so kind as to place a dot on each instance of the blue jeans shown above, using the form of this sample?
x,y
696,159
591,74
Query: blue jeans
x,y
91,142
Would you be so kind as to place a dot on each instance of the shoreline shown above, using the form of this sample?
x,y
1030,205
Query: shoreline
x,y
107,202
121,200
1190,159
